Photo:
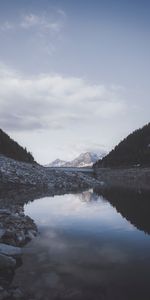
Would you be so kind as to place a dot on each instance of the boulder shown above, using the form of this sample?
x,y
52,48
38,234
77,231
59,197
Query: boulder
x,y
9,250
2,232
17,294
5,212
6,262
4,295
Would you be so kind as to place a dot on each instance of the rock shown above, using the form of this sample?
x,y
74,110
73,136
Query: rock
x,y
9,237
17,294
2,232
4,295
9,250
9,233
20,237
18,173
7,262
31,234
5,211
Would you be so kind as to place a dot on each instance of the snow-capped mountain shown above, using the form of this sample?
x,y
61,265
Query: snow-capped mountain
x,y
83,160
56,163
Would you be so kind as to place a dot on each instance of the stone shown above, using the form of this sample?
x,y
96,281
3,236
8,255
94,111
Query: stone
x,y
15,172
17,294
2,232
20,236
9,237
4,295
6,262
5,211
30,235
9,250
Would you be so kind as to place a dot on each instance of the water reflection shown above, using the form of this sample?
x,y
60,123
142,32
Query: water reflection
x,y
78,213
134,206
86,249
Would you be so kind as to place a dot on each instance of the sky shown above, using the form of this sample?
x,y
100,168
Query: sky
x,y
74,74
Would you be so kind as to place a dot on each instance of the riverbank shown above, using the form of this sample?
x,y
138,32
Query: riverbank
x,y
16,230
24,182
14,174
136,179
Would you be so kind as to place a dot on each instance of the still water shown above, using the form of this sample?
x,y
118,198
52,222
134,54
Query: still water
x,y
88,248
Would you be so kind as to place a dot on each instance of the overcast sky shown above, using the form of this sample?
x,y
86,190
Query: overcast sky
x,y
74,74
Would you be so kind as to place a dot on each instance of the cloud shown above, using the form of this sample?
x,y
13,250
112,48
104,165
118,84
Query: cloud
x,y
30,20
61,12
40,22
7,26
38,30
52,101
84,145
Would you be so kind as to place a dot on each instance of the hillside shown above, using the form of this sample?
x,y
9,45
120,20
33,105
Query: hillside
x,y
12,149
133,151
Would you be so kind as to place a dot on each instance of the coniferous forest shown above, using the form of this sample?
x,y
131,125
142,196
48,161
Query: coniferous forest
x,y
133,151
12,149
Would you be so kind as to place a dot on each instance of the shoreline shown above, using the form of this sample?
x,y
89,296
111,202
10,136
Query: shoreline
x,y
136,179
16,231
24,182
14,174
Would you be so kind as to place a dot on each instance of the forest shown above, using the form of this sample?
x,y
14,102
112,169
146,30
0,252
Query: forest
x,y
12,149
133,151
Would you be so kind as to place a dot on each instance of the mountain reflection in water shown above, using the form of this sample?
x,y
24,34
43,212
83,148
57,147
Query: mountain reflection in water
x,y
135,207
86,249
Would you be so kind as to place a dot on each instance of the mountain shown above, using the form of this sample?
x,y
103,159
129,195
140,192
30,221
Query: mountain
x,y
83,160
56,163
12,149
134,150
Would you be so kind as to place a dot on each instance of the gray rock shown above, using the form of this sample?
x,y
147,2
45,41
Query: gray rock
x,y
7,262
9,250
2,232
20,236
5,211
9,237
17,294
31,234
3,295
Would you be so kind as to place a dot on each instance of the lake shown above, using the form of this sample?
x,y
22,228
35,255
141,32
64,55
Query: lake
x,y
89,247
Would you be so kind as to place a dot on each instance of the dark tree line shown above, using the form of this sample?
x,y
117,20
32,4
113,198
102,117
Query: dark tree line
x,y
134,150
10,148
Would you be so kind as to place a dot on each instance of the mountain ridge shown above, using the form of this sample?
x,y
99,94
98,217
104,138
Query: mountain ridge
x,y
86,159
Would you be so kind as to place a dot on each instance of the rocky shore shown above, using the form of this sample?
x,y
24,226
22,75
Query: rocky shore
x,y
136,179
24,182
15,174
16,230
20,183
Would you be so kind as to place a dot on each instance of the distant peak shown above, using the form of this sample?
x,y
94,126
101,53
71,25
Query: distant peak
x,y
86,159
